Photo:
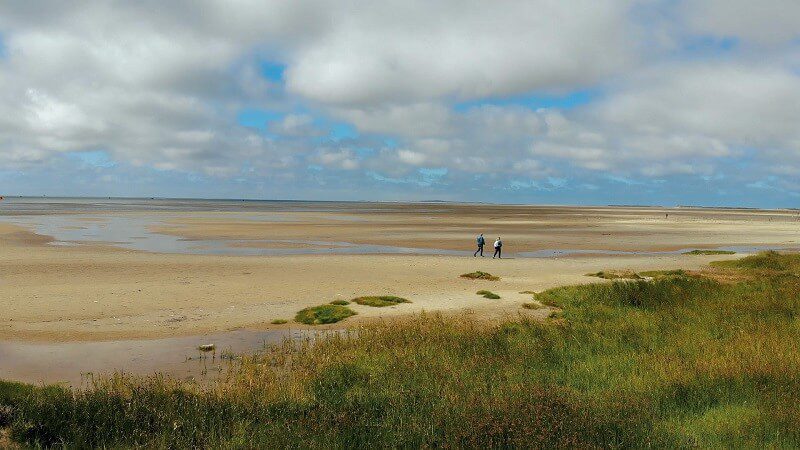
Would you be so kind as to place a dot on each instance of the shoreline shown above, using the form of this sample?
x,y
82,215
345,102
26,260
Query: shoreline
x,y
95,296
109,293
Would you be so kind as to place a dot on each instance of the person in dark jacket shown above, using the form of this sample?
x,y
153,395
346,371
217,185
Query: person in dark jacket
x,y
498,248
481,242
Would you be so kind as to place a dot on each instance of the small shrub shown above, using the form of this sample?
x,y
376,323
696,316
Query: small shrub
x,y
323,314
379,301
488,294
279,321
478,275
340,302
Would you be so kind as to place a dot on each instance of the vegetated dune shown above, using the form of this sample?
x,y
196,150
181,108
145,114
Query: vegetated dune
x,y
678,361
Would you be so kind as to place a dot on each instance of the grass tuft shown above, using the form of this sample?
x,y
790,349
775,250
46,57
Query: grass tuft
x,y
680,273
478,275
279,321
380,301
615,275
323,314
710,252
340,302
488,294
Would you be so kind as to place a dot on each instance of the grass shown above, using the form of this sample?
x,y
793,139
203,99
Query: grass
x,y
380,301
532,305
279,321
674,362
323,314
340,302
478,275
488,294
710,252
680,273
615,275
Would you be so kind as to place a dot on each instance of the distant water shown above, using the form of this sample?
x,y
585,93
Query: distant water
x,y
45,205
72,221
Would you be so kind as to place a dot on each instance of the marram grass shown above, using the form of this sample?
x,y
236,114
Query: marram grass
x,y
676,362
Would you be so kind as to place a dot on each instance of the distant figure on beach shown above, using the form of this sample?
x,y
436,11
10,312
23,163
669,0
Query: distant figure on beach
x,y
481,242
498,248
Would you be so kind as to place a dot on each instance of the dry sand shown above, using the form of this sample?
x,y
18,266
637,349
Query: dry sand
x,y
94,292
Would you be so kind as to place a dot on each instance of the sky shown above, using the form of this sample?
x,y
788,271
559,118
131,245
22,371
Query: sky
x,y
661,102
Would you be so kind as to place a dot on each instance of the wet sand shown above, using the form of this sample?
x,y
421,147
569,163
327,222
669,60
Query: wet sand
x,y
92,291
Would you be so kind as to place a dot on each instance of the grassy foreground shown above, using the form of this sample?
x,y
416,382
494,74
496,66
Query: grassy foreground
x,y
675,362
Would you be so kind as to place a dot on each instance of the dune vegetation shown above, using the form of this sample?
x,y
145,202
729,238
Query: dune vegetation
x,y
710,252
318,315
478,275
488,294
380,301
677,361
615,275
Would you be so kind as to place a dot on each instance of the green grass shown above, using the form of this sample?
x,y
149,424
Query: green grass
x,y
615,275
340,302
279,321
767,261
380,301
710,252
674,362
323,314
680,273
488,294
478,275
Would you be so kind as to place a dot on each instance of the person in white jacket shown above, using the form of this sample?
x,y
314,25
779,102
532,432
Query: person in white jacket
x,y
498,248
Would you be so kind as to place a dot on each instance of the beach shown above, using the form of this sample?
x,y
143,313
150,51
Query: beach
x,y
240,268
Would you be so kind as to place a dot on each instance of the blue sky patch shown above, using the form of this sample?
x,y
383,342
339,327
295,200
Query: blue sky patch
x,y
94,158
710,45
273,71
256,118
341,131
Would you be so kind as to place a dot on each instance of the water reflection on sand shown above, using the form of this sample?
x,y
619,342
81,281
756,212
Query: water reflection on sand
x,y
133,232
76,363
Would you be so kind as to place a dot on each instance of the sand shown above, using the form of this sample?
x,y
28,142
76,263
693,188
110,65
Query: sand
x,y
100,292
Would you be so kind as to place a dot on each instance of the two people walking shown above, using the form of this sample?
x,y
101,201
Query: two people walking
x,y
498,247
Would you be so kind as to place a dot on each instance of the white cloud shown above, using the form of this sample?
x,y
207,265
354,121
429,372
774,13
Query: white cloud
x,y
338,159
159,85
417,50
763,22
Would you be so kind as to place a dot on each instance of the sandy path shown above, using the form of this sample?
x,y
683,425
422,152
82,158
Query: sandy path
x,y
50,293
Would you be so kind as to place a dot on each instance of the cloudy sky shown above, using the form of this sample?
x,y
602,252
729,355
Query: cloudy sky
x,y
535,101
